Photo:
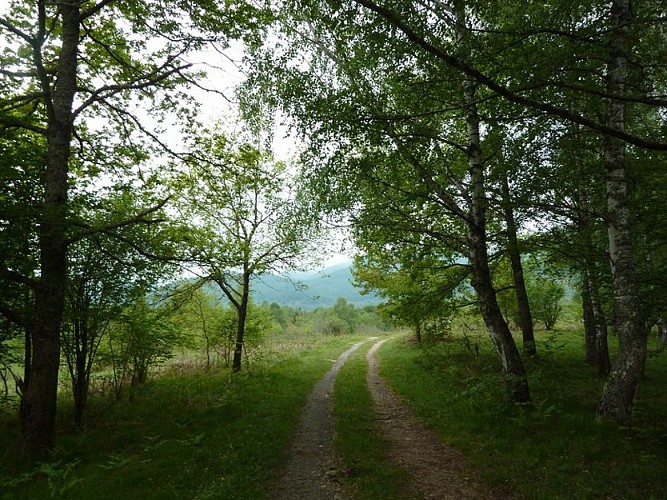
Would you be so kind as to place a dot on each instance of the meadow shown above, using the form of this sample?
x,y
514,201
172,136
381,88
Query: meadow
x,y
195,433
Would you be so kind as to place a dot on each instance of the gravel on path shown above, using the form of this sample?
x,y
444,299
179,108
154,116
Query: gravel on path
x,y
313,471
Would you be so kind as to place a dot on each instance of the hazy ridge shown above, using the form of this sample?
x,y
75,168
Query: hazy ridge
x,y
313,289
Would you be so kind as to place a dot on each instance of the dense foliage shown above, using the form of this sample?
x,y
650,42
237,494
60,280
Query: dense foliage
x,y
487,157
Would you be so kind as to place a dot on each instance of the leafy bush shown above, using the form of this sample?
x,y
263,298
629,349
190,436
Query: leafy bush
x,y
142,337
545,300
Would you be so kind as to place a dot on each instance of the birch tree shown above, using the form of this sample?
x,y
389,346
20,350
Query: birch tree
x,y
562,63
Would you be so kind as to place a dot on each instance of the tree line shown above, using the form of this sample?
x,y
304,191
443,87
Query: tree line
x,y
457,137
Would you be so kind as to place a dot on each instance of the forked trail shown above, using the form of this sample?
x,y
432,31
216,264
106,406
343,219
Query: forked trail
x,y
314,472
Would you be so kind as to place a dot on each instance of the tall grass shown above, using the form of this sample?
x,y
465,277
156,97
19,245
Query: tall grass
x,y
553,448
184,435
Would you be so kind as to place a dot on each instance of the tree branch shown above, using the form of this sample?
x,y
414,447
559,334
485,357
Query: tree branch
x,y
17,277
395,20
107,91
139,218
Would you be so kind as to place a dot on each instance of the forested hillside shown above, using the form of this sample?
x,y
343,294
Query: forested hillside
x,y
313,289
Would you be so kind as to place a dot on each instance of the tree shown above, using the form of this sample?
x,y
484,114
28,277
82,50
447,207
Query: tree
x,y
245,221
199,312
514,252
548,63
419,289
399,147
545,299
107,272
618,395
67,62
143,336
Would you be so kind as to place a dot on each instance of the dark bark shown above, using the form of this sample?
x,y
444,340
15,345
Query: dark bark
x,y
38,405
595,325
27,357
418,332
525,316
595,322
516,382
619,393
81,384
80,370
242,313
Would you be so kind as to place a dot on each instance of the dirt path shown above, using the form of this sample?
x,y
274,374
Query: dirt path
x,y
437,471
313,472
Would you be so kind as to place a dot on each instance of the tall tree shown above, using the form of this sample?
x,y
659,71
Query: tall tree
x,y
109,270
525,316
401,146
561,61
68,62
619,393
245,221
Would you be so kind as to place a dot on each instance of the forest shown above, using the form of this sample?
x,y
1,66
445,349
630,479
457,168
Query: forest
x,y
498,168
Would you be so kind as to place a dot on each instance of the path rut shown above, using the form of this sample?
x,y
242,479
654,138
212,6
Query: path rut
x,y
314,472
436,470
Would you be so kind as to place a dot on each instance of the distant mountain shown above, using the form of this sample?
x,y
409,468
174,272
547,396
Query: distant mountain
x,y
310,290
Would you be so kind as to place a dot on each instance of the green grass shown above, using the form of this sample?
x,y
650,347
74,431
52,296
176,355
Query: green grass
x,y
192,434
554,448
196,436
357,435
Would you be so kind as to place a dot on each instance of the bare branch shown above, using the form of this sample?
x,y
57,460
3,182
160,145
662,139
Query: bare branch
x,y
95,9
144,82
139,218
13,316
17,277
13,29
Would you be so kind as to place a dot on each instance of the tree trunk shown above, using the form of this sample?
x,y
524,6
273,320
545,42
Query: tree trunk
x,y
595,323
525,316
81,375
516,383
662,332
418,332
38,405
206,334
242,312
619,393
81,386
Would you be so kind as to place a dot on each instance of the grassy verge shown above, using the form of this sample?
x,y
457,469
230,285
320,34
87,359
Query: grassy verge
x,y
358,438
555,448
204,435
